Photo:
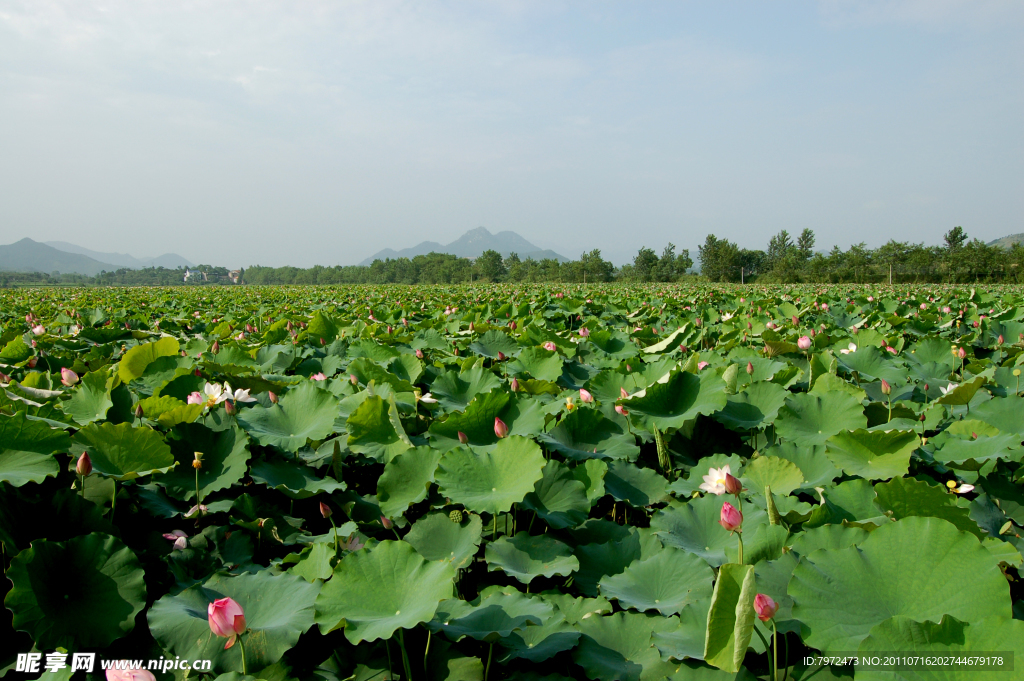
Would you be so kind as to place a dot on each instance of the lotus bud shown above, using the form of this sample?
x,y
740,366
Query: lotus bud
x,y
731,519
386,522
514,384
500,429
272,396
765,607
804,343
513,325
230,408
455,515
38,329
732,484
621,411
4,378
138,410
584,332
352,379
463,438
623,393
32,361
750,368
472,327
795,320
419,354
226,619
68,377
961,353
1000,339
550,346
325,510
84,465
501,356
215,348
886,388
586,396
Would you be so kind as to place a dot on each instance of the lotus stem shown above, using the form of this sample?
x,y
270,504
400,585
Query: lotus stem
x,y
241,646
405,657
335,527
426,652
775,650
199,501
739,538
487,669
113,502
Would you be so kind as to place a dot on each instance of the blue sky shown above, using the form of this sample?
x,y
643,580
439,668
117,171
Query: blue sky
x,y
320,132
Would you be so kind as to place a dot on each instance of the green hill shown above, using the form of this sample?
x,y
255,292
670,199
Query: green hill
x,y
1008,241
31,256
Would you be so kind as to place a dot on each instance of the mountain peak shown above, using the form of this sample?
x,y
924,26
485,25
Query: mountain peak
x,y
471,245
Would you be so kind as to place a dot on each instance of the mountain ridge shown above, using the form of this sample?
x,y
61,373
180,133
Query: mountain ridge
x,y
171,261
28,255
471,245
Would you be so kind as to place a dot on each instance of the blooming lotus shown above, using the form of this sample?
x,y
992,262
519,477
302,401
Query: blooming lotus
x,y
804,343
852,347
213,394
226,619
584,332
715,480
196,398
428,398
179,538
550,346
134,674
318,376
238,395
948,389
39,329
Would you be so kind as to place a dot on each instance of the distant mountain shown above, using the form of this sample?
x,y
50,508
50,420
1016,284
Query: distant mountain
x,y
1008,241
31,256
471,245
171,261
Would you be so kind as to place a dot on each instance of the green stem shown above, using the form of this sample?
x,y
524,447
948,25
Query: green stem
x,y
245,669
113,502
494,527
387,648
82,489
739,537
775,650
199,501
405,658
487,669
890,410
335,535
426,652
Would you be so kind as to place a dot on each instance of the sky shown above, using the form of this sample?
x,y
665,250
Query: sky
x,y
309,132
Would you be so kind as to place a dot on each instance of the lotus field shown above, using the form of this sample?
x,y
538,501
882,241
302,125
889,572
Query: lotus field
x,y
498,482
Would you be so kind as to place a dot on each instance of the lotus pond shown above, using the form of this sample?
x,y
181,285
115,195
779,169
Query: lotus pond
x,y
605,482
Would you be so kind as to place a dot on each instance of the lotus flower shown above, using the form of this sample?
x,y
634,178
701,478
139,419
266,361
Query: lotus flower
x,y
39,329
463,438
318,376
948,389
804,343
621,411
852,347
765,607
701,365
500,429
714,481
84,465
419,354
68,377
226,619
139,674
550,346
961,353
195,398
586,396
584,332
731,519
179,538
428,398
214,394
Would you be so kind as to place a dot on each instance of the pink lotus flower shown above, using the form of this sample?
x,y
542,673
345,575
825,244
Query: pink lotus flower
x,y
318,376
584,332
623,393
127,674
701,365
196,398
39,329
550,346
586,396
419,354
765,607
500,429
804,343
68,377
731,519
179,538
621,411
226,619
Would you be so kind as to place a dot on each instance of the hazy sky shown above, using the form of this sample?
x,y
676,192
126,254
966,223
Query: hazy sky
x,y
298,133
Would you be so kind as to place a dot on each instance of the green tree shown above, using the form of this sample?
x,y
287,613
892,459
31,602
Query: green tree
x,y
719,259
490,266
778,249
805,244
645,264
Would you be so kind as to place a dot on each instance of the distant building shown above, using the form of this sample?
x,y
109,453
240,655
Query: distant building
x,y
194,275
235,276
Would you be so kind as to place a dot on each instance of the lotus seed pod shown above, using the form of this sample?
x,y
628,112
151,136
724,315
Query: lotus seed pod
x,y
455,516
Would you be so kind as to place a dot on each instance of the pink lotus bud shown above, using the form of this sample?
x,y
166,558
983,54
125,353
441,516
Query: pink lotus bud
x,y
584,332
765,607
804,343
795,320
4,378
325,510
419,354
513,326
230,408
463,438
871,299
623,393
731,519
732,484
500,429
1000,339
39,329
501,356
886,388
352,379
621,411
138,410
961,353
215,348
272,396
249,328
586,396
196,398
68,377
701,365
472,327
750,368
386,522
226,619
405,322
550,346
514,384
84,465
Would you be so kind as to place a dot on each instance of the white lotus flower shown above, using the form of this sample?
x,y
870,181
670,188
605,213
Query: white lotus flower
x,y
948,389
428,398
714,481
852,347
238,395
727,316
215,394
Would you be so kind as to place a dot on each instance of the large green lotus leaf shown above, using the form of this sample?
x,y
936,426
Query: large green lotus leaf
x,y
908,497
378,352
949,638
496,613
812,419
436,537
871,365
375,429
1005,413
668,582
873,455
781,475
754,407
818,471
605,558
322,327
683,397
493,342
90,400
615,344
526,557
225,456
491,481
375,592
558,497
523,415
694,527
366,370
591,473
278,610
303,413
537,643
1010,496
962,394
26,449
542,364
15,351
295,480
313,562
122,452
619,647
683,637
134,362
970,453
455,391
574,610
587,434
82,593
638,487
406,479
731,617
827,537
921,568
